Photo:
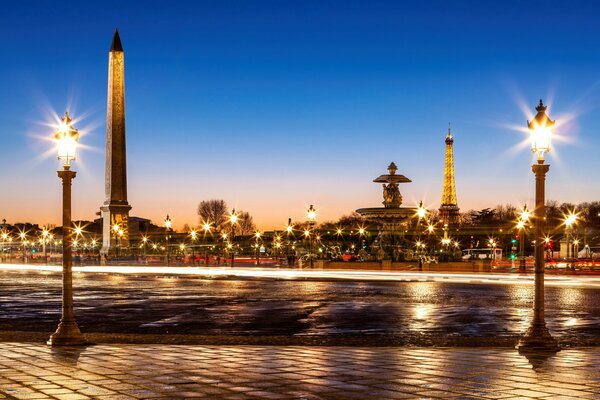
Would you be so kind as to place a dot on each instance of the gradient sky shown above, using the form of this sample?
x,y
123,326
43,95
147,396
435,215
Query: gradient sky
x,y
273,106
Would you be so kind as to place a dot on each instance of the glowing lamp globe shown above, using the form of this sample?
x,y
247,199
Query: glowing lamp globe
x,y
66,138
541,129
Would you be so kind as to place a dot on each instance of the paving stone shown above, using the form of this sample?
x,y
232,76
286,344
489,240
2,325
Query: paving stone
x,y
34,371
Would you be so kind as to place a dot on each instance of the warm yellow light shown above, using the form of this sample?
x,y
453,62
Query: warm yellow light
x,y
418,244
306,232
525,214
430,228
570,219
115,228
361,231
224,235
206,227
4,236
22,235
289,229
78,230
45,233
93,242
339,231
144,239
541,132
168,222
311,214
575,242
155,246
257,235
193,234
182,246
520,225
421,211
121,232
233,218
66,138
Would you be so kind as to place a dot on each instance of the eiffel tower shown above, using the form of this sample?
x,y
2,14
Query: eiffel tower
x,y
449,206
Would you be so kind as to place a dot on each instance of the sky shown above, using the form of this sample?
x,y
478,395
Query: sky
x,y
273,106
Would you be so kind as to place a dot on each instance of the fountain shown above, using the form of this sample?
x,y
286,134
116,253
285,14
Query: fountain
x,y
391,219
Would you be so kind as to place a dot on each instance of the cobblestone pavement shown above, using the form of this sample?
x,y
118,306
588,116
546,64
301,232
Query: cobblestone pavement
x,y
34,371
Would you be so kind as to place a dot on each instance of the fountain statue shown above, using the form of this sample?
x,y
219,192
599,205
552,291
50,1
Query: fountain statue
x,y
391,219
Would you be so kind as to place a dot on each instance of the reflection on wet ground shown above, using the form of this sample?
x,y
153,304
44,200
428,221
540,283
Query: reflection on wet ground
x,y
420,311
35,371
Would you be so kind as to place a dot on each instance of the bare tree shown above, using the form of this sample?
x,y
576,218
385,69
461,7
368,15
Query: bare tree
x,y
246,224
214,212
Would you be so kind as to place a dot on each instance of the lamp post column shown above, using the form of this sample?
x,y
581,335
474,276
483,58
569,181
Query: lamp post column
x,y
522,265
537,336
68,332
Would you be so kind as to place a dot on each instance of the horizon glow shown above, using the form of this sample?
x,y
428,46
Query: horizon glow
x,y
275,106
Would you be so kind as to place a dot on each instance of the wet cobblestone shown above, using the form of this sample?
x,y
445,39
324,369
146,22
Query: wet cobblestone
x,y
35,371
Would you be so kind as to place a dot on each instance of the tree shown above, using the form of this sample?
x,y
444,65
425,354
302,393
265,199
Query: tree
x,y
506,214
214,212
245,223
351,221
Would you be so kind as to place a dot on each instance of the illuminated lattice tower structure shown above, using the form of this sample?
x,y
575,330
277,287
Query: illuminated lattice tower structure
x,y
449,207
115,210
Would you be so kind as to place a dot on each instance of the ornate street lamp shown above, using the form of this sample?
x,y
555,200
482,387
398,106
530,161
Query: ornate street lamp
x,y
233,220
570,220
523,219
168,224
311,216
68,333
206,227
537,336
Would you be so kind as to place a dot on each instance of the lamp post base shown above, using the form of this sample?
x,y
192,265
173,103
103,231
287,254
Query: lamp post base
x,y
67,334
538,339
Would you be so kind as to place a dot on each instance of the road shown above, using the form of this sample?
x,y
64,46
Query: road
x,y
420,310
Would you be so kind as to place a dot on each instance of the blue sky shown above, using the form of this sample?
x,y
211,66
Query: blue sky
x,y
273,106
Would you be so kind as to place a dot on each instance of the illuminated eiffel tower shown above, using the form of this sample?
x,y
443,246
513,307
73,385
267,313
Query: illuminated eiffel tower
x,y
449,207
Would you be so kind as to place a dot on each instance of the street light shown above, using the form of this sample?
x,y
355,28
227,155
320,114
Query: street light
x,y
206,227
537,336
523,219
168,224
233,220
257,238
570,220
311,216
67,333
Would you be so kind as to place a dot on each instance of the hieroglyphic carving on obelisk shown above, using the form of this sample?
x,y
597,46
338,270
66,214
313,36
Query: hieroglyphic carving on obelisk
x,y
115,210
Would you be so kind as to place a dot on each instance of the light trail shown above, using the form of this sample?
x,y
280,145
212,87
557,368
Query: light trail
x,y
290,274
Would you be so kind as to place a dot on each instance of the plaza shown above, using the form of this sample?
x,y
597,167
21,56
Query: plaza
x,y
30,371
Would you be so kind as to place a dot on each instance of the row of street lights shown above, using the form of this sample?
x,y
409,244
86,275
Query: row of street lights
x,y
537,336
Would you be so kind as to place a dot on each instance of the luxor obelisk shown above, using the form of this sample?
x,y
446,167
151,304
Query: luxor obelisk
x,y
115,210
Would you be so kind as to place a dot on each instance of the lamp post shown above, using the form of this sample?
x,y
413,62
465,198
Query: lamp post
x,y
144,243
570,220
311,216
168,225
115,229
206,228
233,219
525,214
257,238
68,333
289,230
537,336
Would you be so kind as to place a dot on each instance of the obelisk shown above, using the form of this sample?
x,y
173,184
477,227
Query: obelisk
x,y
115,210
